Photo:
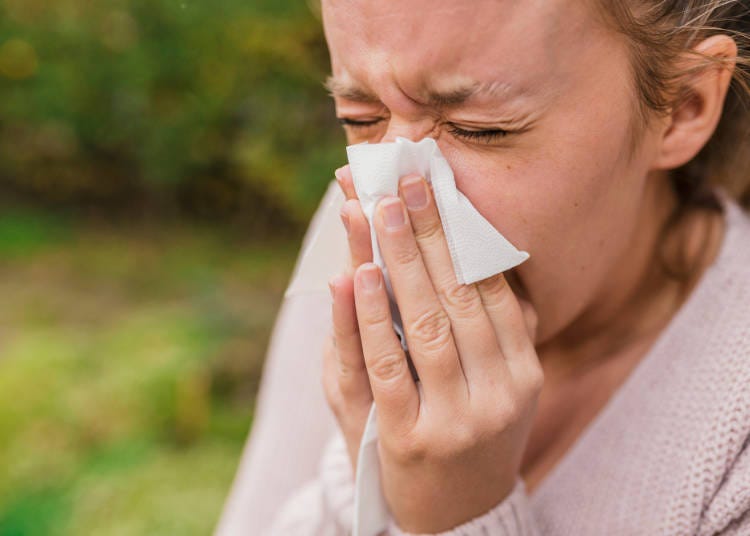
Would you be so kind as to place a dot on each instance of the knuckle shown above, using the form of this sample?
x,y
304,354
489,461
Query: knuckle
x,y
437,446
461,440
535,379
528,376
387,367
333,396
507,411
511,411
462,299
406,255
340,375
376,318
429,231
496,290
431,330
408,450
338,332
346,374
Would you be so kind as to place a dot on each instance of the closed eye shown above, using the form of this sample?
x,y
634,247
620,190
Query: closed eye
x,y
353,123
486,136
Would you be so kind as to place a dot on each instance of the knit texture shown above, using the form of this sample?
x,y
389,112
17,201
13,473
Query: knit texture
x,y
669,453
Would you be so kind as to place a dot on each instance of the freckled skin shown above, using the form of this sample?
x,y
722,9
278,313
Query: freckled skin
x,y
567,189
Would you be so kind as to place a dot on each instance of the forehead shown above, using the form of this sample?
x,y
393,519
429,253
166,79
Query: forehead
x,y
428,43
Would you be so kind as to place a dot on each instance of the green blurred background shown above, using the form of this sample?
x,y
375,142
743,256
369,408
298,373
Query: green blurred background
x,y
159,161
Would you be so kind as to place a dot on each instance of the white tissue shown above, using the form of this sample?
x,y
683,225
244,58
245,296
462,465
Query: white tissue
x,y
477,250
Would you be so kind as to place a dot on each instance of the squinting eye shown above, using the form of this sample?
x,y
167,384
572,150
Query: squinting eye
x,y
358,124
478,135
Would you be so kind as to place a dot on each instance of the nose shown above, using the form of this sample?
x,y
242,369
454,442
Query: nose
x,y
412,129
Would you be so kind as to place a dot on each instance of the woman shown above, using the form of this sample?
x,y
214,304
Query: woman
x,y
602,387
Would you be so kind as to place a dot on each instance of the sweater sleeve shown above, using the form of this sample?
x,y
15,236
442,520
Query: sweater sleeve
x,y
511,517
325,506
738,527
728,513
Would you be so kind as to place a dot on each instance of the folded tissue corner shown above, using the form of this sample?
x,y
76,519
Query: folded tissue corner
x,y
477,251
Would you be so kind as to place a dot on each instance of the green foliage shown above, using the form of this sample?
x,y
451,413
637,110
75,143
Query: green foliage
x,y
107,101
22,233
130,356
129,362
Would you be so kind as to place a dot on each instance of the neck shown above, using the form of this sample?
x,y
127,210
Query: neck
x,y
640,297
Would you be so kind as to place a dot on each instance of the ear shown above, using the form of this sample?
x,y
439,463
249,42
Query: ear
x,y
690,125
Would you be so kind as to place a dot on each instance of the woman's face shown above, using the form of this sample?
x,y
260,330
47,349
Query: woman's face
x,y
532,105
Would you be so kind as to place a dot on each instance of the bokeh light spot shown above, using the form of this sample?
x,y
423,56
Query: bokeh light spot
x,y
119,31
18,60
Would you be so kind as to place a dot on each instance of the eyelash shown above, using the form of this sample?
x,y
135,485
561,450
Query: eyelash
x,y
485,136
358,124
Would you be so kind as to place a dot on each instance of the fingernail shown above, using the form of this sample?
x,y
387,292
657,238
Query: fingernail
x,y
415,192
369,277
394,213
338,176
345,220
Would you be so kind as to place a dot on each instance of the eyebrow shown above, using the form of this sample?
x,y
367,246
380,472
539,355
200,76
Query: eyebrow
x,y
448,97
344,90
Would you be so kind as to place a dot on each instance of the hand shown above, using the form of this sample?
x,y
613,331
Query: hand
x,y
345,380
451,450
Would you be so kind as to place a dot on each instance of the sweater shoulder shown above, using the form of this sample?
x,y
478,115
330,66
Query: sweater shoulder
x,y
727,293
710,335
718,309
706,371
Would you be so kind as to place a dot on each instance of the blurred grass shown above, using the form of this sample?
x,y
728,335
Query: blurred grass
x,y
129,361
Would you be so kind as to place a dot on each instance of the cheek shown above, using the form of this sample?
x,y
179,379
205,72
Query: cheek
x,y
558,202
526,197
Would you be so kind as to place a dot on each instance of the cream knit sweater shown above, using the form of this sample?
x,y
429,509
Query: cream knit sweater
x,y
669,454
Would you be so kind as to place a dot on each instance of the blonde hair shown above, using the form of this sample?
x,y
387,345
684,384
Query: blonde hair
x,y
659,33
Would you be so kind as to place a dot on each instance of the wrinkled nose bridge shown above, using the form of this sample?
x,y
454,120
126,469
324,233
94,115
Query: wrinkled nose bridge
x,y
411,129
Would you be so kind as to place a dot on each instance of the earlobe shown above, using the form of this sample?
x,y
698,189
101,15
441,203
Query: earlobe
x,y
692,123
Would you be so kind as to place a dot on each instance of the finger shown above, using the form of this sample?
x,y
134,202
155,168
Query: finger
x,y
530,317
358,233
351,371
393,389
350,423
330,381
346,182
426,324
507,317
473,332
